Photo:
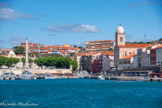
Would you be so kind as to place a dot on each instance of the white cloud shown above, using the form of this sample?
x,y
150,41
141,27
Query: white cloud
x,y
8,14
73,28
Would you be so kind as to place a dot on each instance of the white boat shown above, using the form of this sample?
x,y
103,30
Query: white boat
x,y
81,77
26,75
9,76
101,77
48,76
141,79
1,77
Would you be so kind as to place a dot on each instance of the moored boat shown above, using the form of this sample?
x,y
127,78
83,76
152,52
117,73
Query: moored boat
x,y
1,77
9,76
101,77
48,76
141,79
26,75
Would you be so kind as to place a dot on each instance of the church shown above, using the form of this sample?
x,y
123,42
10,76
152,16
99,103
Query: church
x,y
122,49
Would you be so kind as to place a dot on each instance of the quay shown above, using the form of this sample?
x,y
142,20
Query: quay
x,y
125,78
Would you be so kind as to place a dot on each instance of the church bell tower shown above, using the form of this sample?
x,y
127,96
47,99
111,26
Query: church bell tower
x,y
120,36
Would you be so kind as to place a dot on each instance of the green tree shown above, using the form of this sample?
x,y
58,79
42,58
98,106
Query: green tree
x,y
8,61
19,50
110,49
141,42
40,61
72,54
74,64
2,60
160,39
23,60
58,62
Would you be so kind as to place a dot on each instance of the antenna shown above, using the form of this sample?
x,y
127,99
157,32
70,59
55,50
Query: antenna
x,y
145,37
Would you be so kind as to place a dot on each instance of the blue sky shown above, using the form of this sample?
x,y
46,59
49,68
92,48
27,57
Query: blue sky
x,y
58,22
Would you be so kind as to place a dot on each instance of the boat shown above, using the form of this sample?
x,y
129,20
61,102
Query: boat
x,y
141,79
40,76
81,77
101,77
1,77
9,76
48,76
26,75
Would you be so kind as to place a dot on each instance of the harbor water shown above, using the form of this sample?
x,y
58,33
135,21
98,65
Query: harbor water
x,y
80,93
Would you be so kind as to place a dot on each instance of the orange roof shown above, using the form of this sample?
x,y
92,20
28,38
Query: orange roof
x,y
6,50
52,50
101,41
128,57
65,52
85,54
134,45
108,53
72,58
159,47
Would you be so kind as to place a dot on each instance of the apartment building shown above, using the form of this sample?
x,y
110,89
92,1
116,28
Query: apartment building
x,y
126,62
107,61
65,50
99,46
159,55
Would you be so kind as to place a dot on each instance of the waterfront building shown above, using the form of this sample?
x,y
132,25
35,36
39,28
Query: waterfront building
x,y
99,46
122,49
126,62
143,57
159,55
107,61
153,55
96,62
89,61
135,64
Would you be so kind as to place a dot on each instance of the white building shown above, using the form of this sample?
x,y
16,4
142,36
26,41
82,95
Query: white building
x,y
107,61
135,63
159,55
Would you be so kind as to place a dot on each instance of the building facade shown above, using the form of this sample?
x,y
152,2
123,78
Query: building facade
x,y
121,49
107,61
159,55
126,62
99,46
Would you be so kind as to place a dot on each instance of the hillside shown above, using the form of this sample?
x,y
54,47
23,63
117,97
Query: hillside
x,y
159,41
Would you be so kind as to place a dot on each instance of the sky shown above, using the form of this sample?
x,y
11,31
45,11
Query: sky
x,y
58,22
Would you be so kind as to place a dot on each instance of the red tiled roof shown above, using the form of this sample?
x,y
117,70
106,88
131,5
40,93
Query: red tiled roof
x,y
52,50
85,54
6,49
72,58
108,53
101,41
134,45
159,46
128,57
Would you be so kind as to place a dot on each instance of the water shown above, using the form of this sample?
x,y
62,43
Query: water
x,y
81,93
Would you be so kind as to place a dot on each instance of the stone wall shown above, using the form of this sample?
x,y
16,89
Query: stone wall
x,y
19,71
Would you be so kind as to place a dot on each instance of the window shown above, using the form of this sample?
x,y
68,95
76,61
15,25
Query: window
x,y
139,52
121,39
